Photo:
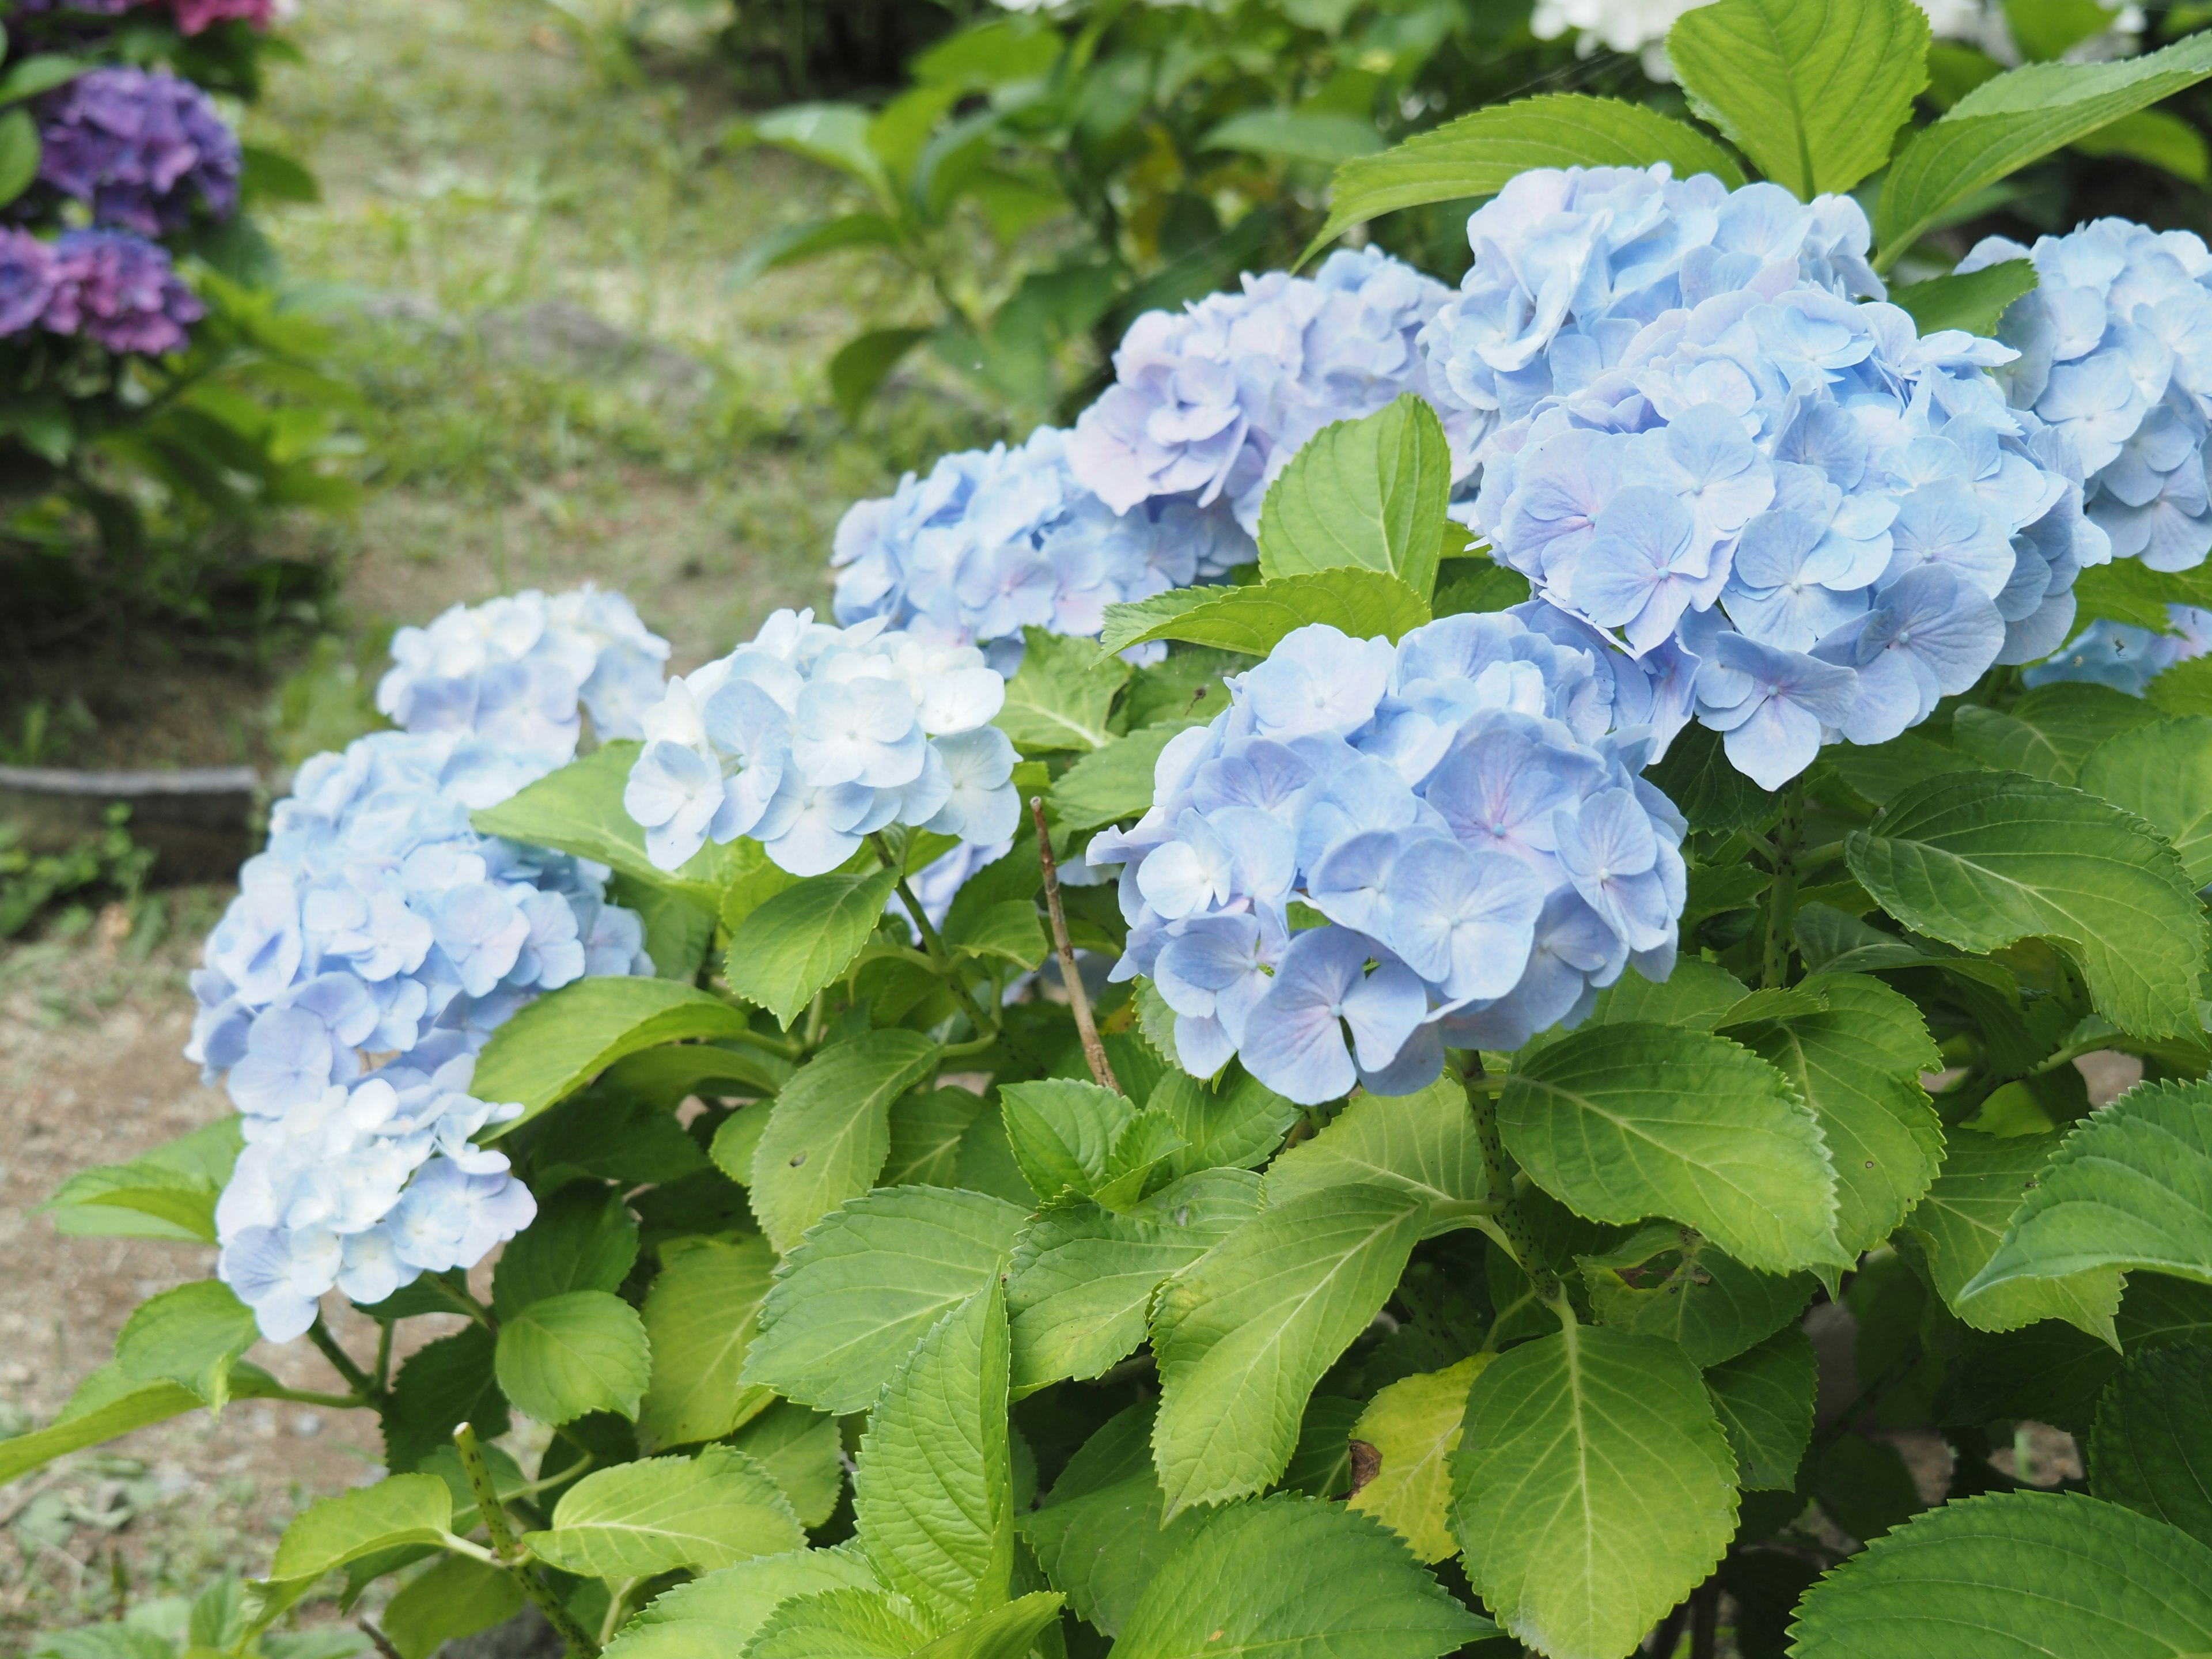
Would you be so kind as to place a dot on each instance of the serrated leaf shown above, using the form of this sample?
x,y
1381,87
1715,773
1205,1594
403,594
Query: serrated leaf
x,y
1812,90
1238,1127
1062,694
457,1597
840,1623
1362,604
446,1381
1668,1282
2013,119
1061,1131
2012,1573
192,1336
1963,1216
2050,731
660,1513
1011,930
1424,1143
401,1509
2162,773
700,1316
1336,1586
861,1289
2130,1186
1099,1535
1242,1334
830,1132
1625,1122
1479,154
801,1449
2151,1448
579,808
1857,1063
107,1404
1593,1488
1113,783
1975,301
1982,859
1697,777
667,1076
1413,1426
568,1355
1007,1631
168,1192
933,1491
804,938
554,1046
927,1127
1139,1154
1369,493
1763,1398
716,1615
584,1238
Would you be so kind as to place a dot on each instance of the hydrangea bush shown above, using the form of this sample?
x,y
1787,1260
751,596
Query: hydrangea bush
x,y
1564,1006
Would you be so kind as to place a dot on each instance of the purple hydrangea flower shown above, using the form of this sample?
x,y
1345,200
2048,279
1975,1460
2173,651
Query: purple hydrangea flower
x,y
26,280
120,291
141,148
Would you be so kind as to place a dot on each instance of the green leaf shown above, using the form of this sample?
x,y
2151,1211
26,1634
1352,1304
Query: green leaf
x,y
1812,90
796,243
1857,1063
1620,1122
1082,1278
831,1130
864,363
2151,1448
840,1624
716,1615
108,1403
19,154
1963,1216
579,808
167,1193
192,1336
1368,494
1010,930
1763,1398
1062,694
1242,1334
1362,604
584,1351
1594,1488
1295,1578
1479,154
1007,1631
1239,1127
865,1284
456,1598
2162,773
801,1449
2129,591
1696,775
677,928
2006,123
1114,782
1980,859
805,938
1975,301
1667,1281
1061,1131
2050,731
445,1381
2130,1187
555,1045
926,1127
2013,1573
699,1317
583,1239
637,1519
401,1509
1296,135
1413,1426
932,1493
667,1077
40,72
1097,1535
1424,1143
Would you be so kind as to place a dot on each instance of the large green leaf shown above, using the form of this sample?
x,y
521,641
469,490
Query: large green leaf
x,y
168,1192
1479,154
1098,1533
1857,1063
831,1130
2151,1448
1593,1489
660,1513
2013,1574
192,1336
1368,493
1244,1333
1114,782
840,1623
2015,117
700,1316
1413,1426
555,1045
1236,1127
108,1403
1668,1281
801,1449
2130,1187
1620,1122
1295,1578
716,1615
1062,697
2050,731
400,1509
932,1493
579,808
456,1597
857,1293
1812,90
1362,604
1979,860
1062,1131
1763,1398
2162,773
804,938
1975,300
568,1355
1424,1142
1963,1216
584,1238
1009,1631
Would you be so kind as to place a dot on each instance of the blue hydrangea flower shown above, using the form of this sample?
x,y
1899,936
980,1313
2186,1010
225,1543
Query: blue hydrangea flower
x,y
1784,511
1209,403
1461,810
2115,346
2128,658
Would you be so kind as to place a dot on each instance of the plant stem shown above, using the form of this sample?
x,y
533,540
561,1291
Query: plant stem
x,y
508,1553
337,1402
384,1354
1094,1051
1508,1224
1781,896
462,1301
931,940
342,1362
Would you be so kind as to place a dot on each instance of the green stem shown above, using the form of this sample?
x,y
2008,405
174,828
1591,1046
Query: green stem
x,y
342,1362
462,1301
933,941
337,1402
1509,1223
1781,896
508,1551
384,1354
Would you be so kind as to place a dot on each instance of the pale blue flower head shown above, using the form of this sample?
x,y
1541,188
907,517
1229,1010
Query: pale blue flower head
x,y
2125,657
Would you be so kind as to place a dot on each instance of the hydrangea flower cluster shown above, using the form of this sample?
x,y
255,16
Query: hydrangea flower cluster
x,y
1641,26
514,669
193,16
116,289
994,541
1209,403
1458,810
2115,346
140,149
1794,516
810,739
373,946
2126,657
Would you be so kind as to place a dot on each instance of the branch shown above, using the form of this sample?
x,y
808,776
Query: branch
x,y
1094,1051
